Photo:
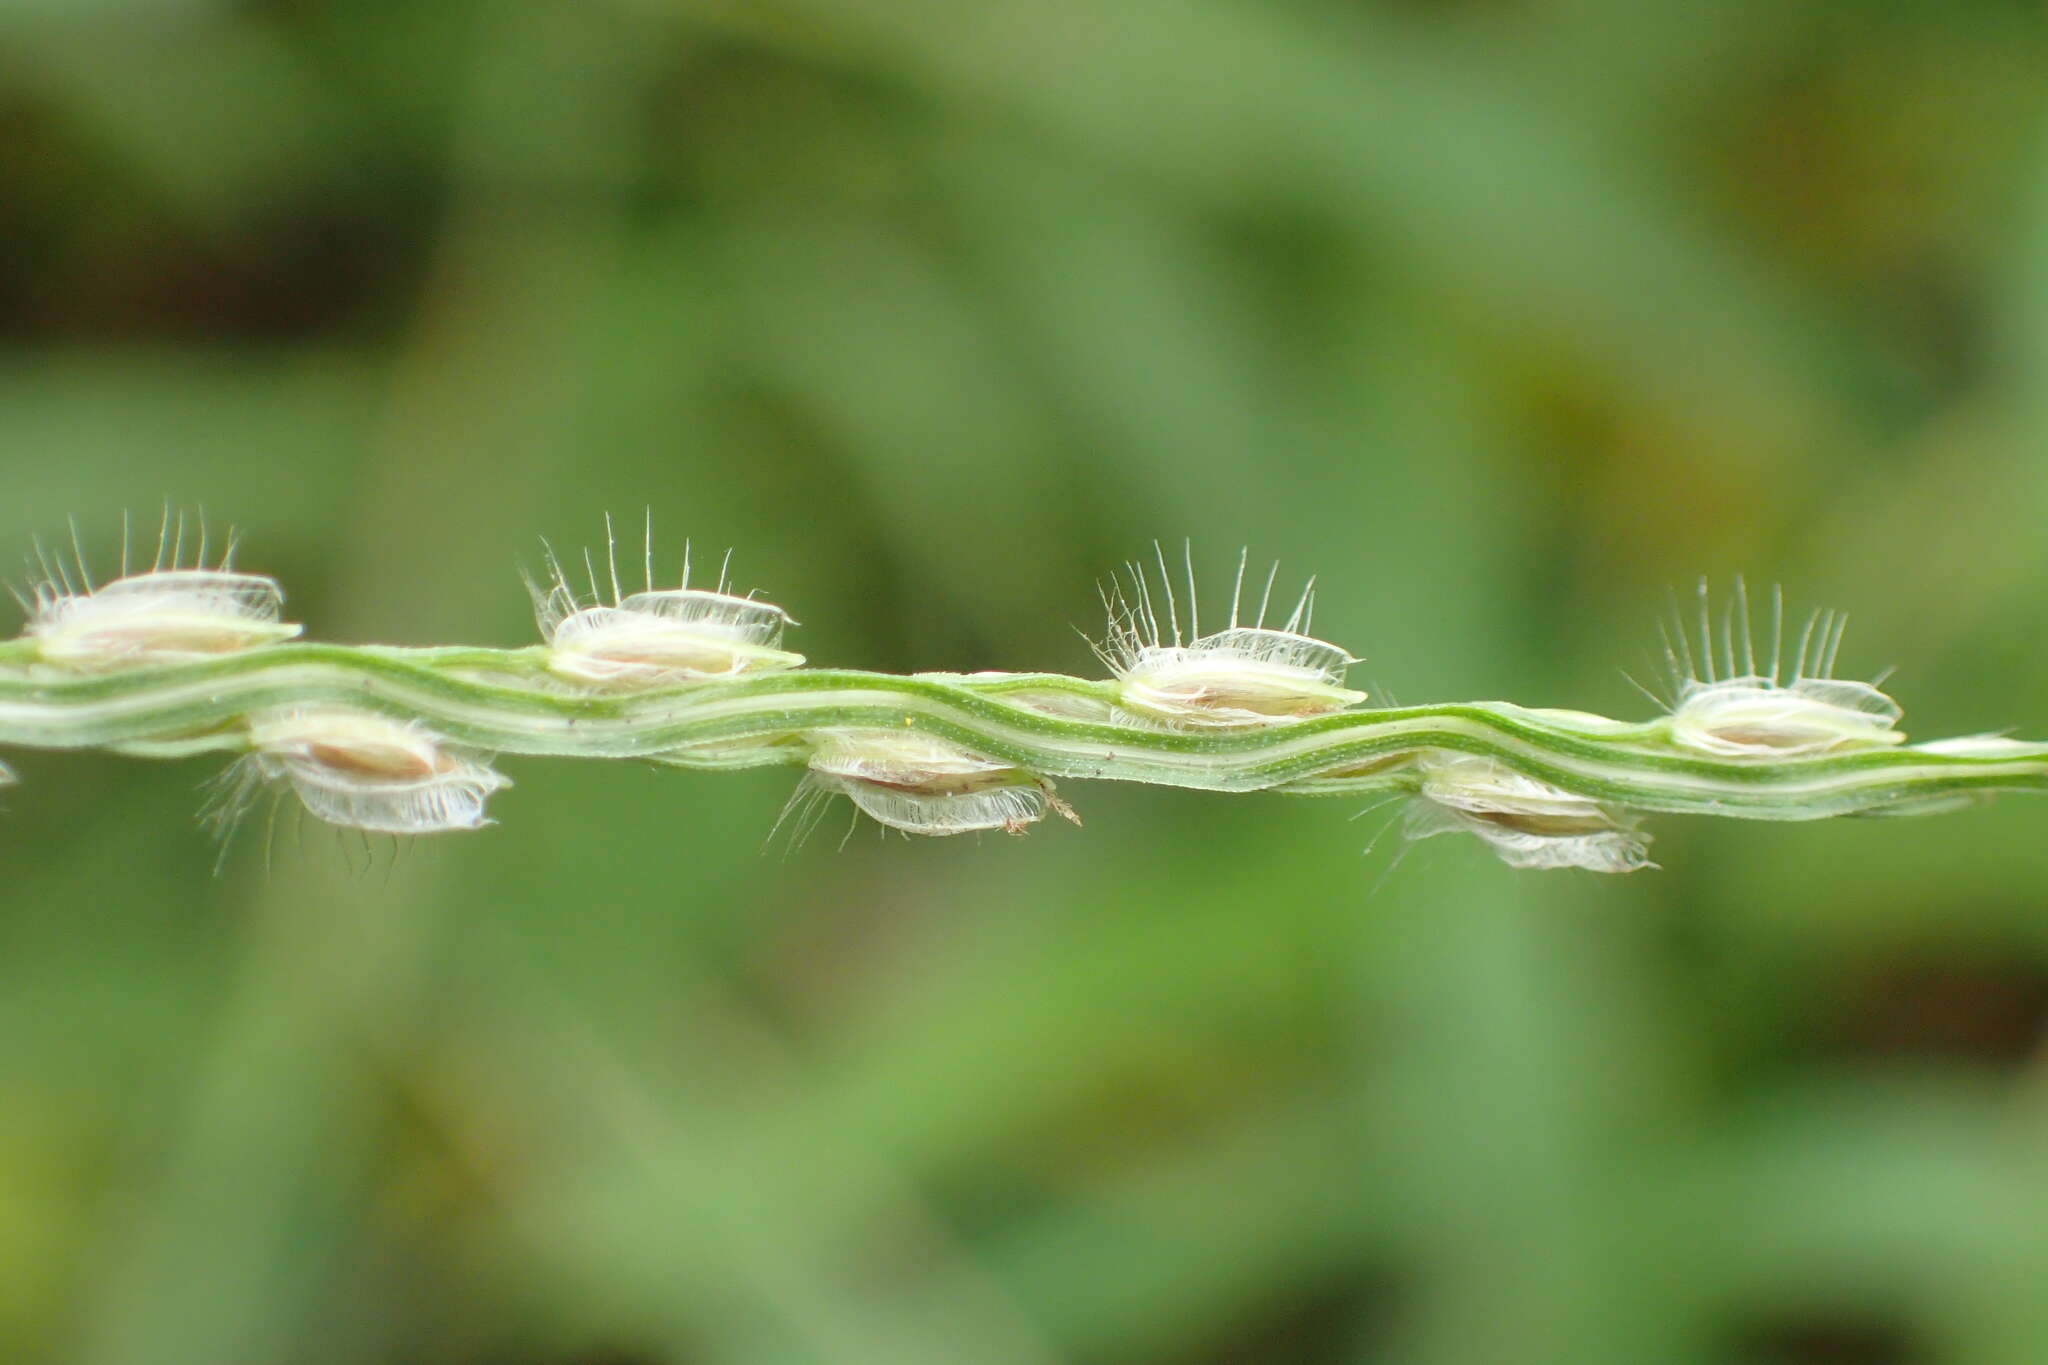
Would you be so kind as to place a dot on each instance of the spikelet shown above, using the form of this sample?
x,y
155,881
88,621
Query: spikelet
x,y
1243,675
923,785
655,636
363,771
1730,707
1526,822
170,613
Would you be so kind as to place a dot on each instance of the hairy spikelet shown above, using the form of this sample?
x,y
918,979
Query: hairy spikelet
x,y
922,785
363,771
1732,707
166,614
1242,675
656,635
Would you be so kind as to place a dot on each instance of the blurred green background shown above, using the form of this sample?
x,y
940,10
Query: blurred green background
x,y
1504,316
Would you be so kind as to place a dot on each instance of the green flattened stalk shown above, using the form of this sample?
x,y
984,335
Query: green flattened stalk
x,y
183,661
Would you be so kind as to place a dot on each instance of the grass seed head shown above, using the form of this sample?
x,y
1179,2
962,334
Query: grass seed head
x,y
1525,822
1726,702
169,613
657,635
365,771
920,784
1243,675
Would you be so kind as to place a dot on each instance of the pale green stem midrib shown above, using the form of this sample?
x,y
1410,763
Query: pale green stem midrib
x,y
502,700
